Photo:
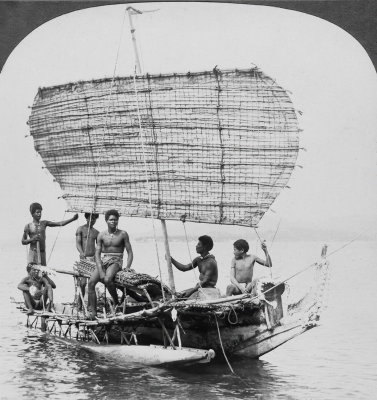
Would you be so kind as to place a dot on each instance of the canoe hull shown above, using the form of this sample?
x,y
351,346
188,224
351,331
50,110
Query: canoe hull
x,y
249,341
152,355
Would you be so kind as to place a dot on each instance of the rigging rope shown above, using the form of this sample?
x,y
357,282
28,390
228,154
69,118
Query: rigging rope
x,y
277,229
314,264
106,118
270,268
351,241
56,238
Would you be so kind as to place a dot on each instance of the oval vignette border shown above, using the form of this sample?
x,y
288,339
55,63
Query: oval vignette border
x,y
357,17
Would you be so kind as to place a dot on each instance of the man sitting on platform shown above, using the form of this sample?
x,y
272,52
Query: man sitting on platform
x,y
111,244
86,239
242,267
206,264
37,290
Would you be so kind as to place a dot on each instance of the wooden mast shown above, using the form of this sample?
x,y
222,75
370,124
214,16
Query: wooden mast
x,y
132,11
168,258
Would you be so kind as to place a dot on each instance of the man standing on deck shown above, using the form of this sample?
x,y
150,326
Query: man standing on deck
x,y
35,234
86,239
206,264
111,243
242,267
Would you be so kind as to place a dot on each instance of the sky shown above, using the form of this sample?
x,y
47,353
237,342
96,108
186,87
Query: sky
x,y
331,78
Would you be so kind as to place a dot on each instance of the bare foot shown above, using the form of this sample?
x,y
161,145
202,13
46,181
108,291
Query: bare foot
x,y
91,316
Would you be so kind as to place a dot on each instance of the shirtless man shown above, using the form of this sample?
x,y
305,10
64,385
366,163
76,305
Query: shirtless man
x,y
242,267
35,234
111,243
86,238
37,290
206,264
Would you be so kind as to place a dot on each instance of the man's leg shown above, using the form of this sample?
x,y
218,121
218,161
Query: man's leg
x,y
249,287
43,258
48,297
81,286
109,280
185,293
232,290
29,302
92,297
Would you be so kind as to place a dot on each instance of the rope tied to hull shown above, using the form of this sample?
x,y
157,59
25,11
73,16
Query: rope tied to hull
x,y
222,347
235,313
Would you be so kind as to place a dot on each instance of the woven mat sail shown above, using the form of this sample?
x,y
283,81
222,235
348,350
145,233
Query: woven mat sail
x,y
218,146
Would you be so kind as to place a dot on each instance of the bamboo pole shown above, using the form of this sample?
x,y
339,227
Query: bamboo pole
x,y
168,258
38,253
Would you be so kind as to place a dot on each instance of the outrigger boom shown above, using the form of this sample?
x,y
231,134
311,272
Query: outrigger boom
x,y
178,331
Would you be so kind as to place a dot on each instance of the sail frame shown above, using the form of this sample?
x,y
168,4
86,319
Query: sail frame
x,y
214,146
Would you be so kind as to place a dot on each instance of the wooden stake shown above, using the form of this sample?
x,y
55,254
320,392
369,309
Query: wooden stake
x,y
83,302
38,253
167,252
166,332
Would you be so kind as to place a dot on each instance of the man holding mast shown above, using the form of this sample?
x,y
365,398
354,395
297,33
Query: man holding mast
x,y
206,264
111,244
35,234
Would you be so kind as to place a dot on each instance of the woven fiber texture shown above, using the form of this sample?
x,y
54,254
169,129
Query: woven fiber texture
x,y
215,146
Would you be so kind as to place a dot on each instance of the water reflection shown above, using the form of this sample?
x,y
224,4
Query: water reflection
x,y
63,369
58,369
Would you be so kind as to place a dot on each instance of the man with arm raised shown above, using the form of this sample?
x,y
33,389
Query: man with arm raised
x,y
242,267
35,234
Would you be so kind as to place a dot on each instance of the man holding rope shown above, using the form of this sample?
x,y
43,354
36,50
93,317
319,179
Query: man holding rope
x,y
242,267
35,234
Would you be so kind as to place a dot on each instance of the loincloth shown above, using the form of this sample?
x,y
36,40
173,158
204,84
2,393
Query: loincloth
x,y
109,259
243,286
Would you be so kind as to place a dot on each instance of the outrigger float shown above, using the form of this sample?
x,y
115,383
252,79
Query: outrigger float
x,y
212,147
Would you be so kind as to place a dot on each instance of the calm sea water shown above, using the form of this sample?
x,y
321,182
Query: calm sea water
x,y
334,361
